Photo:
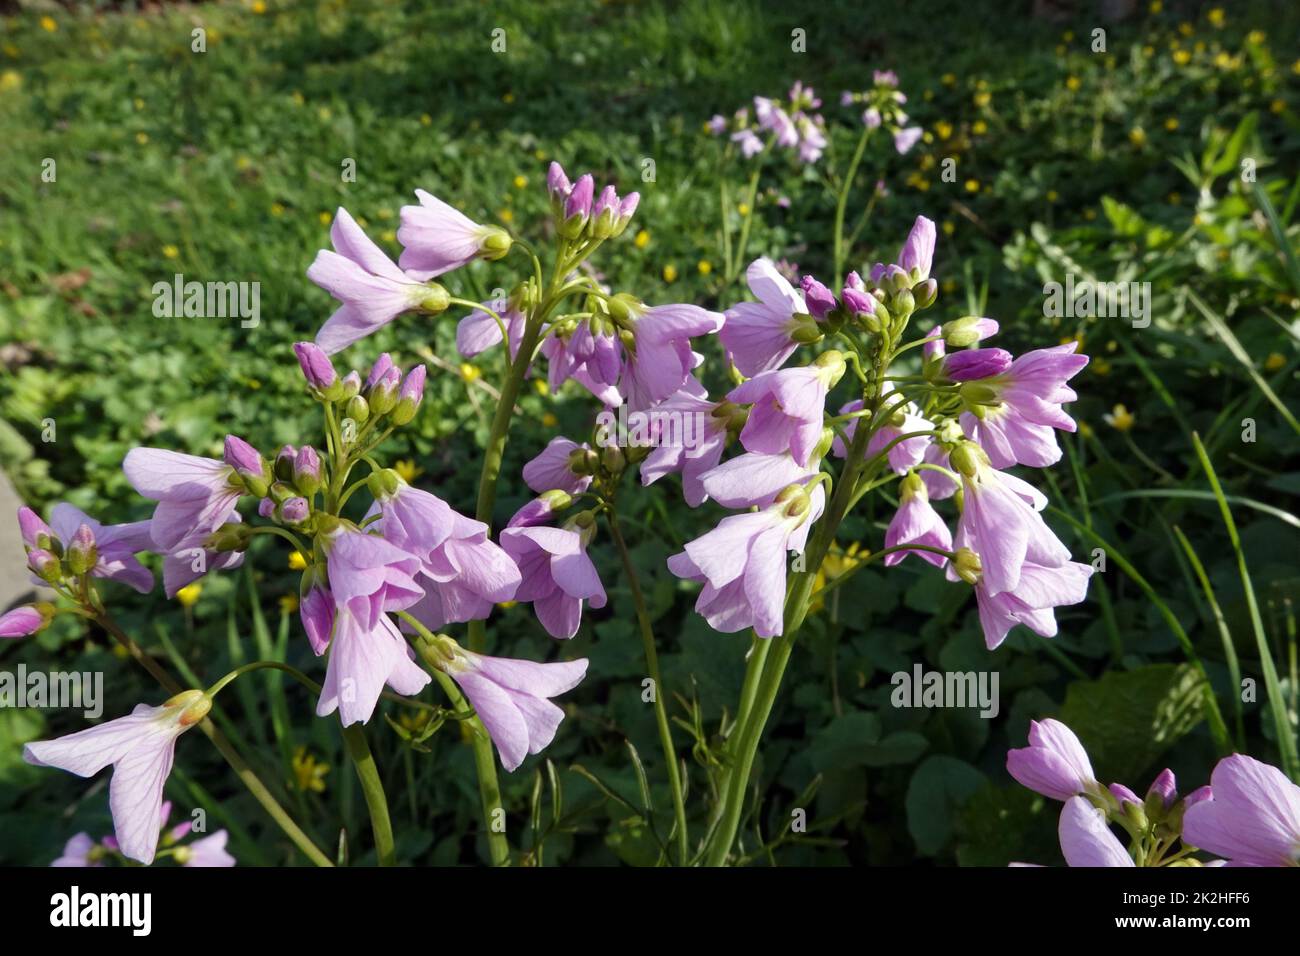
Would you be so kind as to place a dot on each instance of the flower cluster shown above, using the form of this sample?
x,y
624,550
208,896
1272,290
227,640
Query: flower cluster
x,y
791,124
1248,815
83,850
882,107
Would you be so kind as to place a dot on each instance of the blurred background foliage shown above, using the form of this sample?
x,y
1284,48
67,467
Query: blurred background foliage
x,y
1122,166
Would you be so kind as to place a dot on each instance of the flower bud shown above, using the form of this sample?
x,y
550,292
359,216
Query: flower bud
x,y
266,508
626,210
379,369
35,532
858,301
833,363
351,386
318,370
437,299
248,464
966,458
281,491
903,304
383,396
494,245
316,608
412,394
358,409
577,207
45,565
819,299
604,214
82,555
926,293
307,471
613,460
558,185
231,536
966,331
624,309
967,565
282,467
295,511
383,484
805,331
973,364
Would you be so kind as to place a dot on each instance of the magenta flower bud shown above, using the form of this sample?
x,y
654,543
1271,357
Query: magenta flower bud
x,y
1054,764
1123,794
316,608
577,207
917,253
283,464
24,621
266,508
557,183
317,368
307,471
1165,786
81,554
36,533
243,457
858,301
819,299
626,209
295,511
379,369
351,386
604,214
411,396
45,565
974,364
383,396
854,281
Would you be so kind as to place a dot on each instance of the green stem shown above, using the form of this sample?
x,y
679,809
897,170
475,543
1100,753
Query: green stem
x,y
842,201
652,665
354,737
745,223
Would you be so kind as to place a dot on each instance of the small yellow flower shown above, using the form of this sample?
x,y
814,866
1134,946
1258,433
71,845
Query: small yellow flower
x,y
189,595
142,138
170,252
1257,37
11,51
1052,195
1171,124
259,7
48,24
1100,367
388,235
470,373
1156,6
308,773
426,120
1137,136
406,469
1085,429
288,603
670,273
743,208
242,162
983,99
1072,83
297,561
541,387
505,215
972,185
642,239
979,127
1217,17
1274,361
508,98
1295,67
1090,214
704,266
138,103
948,227
1186,29
927,162
943,129
1277,106
10,80
1119,418
1148,51
325,218
520,181
1182,57
549,420
277,209
948,79
1067,36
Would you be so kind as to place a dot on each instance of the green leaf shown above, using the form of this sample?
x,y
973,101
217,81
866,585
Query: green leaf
x,y
935,795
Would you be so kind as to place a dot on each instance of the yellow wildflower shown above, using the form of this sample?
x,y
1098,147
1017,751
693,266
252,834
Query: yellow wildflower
x,y
1119,418
297,561
1274,361
704,266
670,273
470,373
189,595
1072,83
170,252
406,469
520,181
1217,17
288,603
642,239
48,24
308,773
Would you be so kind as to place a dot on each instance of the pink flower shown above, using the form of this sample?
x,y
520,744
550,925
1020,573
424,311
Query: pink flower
x,y
551,470
754,479
1031,391
116,545
195,496
1252,816
141,747
1038,593
1086,838
742,563
906,420
557,575
369,575
22,622
438,238
696,457
478,331
80,852
316,609
661,359
759,336
788,407
359,274
210,851
511,697
364,656
1054,764
916,522
905,139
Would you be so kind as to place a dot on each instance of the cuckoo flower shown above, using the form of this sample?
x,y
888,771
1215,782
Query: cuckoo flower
x,y
742,562
192,557
1251,818
760,336
479,331
316,609
905,420
1038,593
754,479
373,290
974,364
195,495
210,851
364,656
917,255
512,697
1086,838
463,572
24,621
115,545
999,523
661,360
552,469
916,522
1027,397
80,851
370,575
1054,764
906,138
699,455
438,238
140,747
789,407
557,575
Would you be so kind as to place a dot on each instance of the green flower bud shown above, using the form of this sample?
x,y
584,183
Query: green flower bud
x,y
963,332
967,565
358,409
383,484
437,299
806,331
495,244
